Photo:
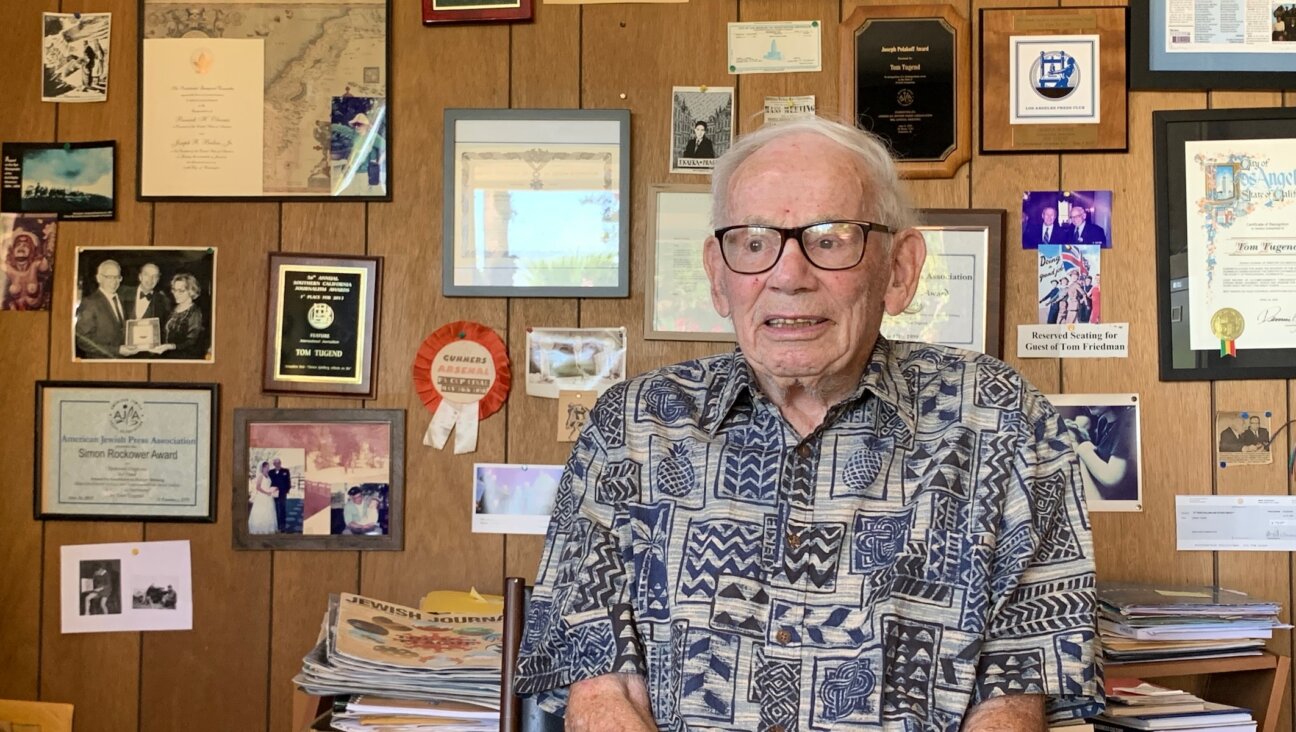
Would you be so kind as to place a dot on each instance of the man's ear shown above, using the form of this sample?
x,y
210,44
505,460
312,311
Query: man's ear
x,y
908,252
713,262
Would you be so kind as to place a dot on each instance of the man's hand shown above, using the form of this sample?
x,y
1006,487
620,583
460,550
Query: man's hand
x,y
1017,713
612,702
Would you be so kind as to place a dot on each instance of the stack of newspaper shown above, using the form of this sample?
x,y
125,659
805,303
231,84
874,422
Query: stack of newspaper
x,y
1133,704
449,661
1146,623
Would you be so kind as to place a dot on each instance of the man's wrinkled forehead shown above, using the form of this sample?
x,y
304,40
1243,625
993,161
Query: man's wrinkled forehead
x,y
799,163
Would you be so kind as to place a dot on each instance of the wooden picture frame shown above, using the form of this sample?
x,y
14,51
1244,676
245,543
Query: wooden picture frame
x,y
329,457
914,108
1053,80
322,325
679,223
436,12
126,451
1153,67
1213,188
559,174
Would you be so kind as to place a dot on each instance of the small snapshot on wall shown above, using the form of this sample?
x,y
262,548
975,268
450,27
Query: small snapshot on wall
x,y
74,53
1066,217
73,180
701,127
1105,429
1070,284
574,359
513,499
1243,438
27,260
126,587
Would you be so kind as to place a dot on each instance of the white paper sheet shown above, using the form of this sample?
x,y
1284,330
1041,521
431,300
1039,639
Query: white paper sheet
x,y
1236,523
144,585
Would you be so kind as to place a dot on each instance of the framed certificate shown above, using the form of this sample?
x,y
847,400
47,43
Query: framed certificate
x,y
125,452
678,306
322,325
1053,80
1172,48
912,63
960,300
1226,243
436,12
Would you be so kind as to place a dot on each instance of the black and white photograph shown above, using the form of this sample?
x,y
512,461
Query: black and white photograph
x,y
27,260
574,359
1105,430
1066,217
101,587
702,123
74,53
144,304
125,587
1243,438
73,180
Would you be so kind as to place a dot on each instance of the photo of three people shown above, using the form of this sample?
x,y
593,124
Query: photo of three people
x,y
1070,284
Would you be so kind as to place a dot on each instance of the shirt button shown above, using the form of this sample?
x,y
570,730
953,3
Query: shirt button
x,y
783,637
793,540
804,451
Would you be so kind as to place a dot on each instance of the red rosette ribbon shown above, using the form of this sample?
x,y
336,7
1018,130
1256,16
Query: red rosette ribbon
x,y
461,372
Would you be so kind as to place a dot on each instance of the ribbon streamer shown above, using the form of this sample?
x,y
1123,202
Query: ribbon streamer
x,y
462,419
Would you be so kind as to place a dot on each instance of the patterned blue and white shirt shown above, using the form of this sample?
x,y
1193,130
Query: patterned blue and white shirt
x,y
926,548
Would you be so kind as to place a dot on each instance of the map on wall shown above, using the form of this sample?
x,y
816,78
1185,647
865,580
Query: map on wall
x,y
316,55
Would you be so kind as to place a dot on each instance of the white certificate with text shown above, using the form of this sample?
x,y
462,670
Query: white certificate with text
x,y
950,306
1240,196
1226,26
204,117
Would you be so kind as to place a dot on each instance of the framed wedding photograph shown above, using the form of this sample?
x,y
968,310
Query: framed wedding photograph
x,y
436,12
1053,80
118,451
537,203
322,325
1226,227
277,101
1170,48
319,479
678,303
960,300
913,64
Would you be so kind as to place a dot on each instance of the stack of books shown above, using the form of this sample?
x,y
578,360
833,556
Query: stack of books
x,y
450,662
1145,623
1133,704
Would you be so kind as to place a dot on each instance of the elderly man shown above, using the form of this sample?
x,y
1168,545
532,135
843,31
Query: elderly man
x,y
101,319
823,528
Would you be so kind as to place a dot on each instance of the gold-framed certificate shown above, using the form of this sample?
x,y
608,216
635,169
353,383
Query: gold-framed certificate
x,y
144,333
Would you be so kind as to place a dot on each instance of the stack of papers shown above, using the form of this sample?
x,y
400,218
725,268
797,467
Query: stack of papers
x,y
1133,704
369,713
1144,623
451,662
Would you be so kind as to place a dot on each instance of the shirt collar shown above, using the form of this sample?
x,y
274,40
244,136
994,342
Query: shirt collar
x,y
882,378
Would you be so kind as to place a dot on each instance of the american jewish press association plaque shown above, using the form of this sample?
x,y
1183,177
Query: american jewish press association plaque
x,y
904,79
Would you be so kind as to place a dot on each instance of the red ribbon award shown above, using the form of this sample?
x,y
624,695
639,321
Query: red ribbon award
x,y
462,374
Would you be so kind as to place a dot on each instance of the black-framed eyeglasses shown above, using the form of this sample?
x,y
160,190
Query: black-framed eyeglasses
x,y
830,245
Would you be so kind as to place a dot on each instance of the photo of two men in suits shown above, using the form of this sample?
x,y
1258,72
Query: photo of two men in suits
x,y
1243,438
1066,217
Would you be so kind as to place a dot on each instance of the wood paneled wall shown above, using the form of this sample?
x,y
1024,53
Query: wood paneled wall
x,y
256,613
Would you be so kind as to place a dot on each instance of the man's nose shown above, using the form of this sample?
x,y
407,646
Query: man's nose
x,y
793,270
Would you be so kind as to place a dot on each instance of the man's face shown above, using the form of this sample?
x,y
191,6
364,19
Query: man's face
x,y
1255,425
1078,216
357,498
277,464
109,278
1240,425
796,321
699,131
148,277
1050,216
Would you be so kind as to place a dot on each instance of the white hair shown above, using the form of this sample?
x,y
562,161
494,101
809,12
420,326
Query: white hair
x,y
872,158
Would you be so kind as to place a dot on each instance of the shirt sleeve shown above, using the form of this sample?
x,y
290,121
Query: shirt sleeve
x,y
579,623
1040,637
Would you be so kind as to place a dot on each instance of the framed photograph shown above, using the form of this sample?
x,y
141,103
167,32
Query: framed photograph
x,y
27,244
913,64
1171,49
125,587
678,304
436,12
537,203
1053,80
144,304
319,478
1109,444
72,180
322,325
960,300
74,55
126,451
281,101
513,499
702,127
1225,235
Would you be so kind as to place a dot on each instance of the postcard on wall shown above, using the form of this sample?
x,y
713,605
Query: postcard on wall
x,y
574,409
202,113
1053,80
126,587
1067,217
73,180
1243,438
144,304
27,260
574,359
1105,428
74,56
1240,249
1069,284
513,499
701,127
784,109
776,47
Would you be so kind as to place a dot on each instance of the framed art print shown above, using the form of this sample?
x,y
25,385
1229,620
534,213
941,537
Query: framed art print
x,y
537,203
436,12
678,305
1172,48
322,325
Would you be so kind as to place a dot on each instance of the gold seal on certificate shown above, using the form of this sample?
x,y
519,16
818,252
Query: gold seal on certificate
x,y
1227,324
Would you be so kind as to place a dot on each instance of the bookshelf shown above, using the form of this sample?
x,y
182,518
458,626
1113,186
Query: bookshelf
x,y
1255,682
